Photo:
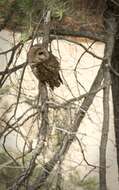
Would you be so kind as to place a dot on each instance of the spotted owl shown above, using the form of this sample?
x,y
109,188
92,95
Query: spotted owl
x,y
44,66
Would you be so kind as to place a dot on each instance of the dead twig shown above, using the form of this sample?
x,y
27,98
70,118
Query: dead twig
x,y
68,139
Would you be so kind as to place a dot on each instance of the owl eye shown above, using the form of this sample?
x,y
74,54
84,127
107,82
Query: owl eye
x,y
40,53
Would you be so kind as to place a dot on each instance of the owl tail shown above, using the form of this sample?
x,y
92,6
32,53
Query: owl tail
x,y
55,82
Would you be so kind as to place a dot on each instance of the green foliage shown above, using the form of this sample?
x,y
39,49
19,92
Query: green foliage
x,y
91,183
24,36
26,13
25,5
8,171
58,8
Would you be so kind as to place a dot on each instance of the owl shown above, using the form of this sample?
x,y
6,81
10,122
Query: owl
x,y
44,65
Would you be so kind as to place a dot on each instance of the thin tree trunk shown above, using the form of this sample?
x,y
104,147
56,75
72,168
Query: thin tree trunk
x,y
115,94
113,9
105,130
110,26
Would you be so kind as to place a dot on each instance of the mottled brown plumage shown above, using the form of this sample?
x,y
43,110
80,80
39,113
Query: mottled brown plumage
x,y
44,66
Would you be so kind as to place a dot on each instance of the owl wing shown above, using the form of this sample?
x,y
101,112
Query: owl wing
x,y
48,72
53,64
54,67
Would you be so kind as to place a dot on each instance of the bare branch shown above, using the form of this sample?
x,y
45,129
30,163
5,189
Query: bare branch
x,y
14,49
86,34
43,93
83,46
68,139
12,70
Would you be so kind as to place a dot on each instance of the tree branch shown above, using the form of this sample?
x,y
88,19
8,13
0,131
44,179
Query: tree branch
x,y
12,70
43,93
68,138
97,36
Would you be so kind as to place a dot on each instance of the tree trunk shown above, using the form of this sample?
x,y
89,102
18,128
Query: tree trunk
x,y
115,94
113,9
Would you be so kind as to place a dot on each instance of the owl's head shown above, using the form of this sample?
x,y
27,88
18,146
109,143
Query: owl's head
x,y
37,54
